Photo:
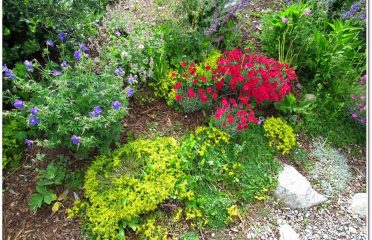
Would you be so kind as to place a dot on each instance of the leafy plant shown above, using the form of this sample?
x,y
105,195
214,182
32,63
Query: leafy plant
x,y
54,174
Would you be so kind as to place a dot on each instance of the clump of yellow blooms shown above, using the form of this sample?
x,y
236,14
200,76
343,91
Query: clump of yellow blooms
x,y
150,230
163,88
280,134
233,212
129,182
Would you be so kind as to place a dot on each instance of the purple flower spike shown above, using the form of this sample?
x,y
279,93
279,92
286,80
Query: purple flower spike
x,y
28,65
64,64
19,104
62,36
117,33
129,92
56,72
28,143
34,110
77,55
75,139
50,43
33,121
116,105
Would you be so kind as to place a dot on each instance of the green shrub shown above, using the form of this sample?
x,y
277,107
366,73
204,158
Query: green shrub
x,y
129,182
280,134
28,24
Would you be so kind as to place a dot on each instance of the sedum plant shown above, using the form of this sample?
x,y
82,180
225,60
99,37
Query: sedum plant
x,y
280,134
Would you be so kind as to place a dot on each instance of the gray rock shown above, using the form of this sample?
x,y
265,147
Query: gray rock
x,y
359,204
287,233
295,191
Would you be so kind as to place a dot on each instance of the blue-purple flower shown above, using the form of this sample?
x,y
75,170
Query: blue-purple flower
x,y
9,74
308,12
129,91
117,32
83,46
33,121
285,20
34,110
75,139
64,64
96,112
4,68
49,42
77,55
119,71
19,104
130,80
28,65
28,143
62,36
116,105
56,72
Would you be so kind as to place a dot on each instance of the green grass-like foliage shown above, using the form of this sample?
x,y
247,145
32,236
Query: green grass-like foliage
x,y
128,182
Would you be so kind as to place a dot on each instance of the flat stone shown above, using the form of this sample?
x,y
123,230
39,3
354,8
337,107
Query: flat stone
x,y
310,97
359,204
287,233
295,191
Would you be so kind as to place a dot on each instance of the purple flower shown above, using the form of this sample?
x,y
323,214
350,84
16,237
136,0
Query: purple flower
x,y
96,112
19,104
33,121
260,120
354,115
64,64
307,12
116,105
129,91
34,110
83,46
362,97
28,65
50,43
75,139
62,36
119,71
130,80
4,68
117,32
362,120
28,143
56,72
363,79
285,20
353,97
9,74
77,55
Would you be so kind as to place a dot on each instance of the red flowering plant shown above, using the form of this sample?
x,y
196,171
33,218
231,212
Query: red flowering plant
x,y
248,79
233,117
194,91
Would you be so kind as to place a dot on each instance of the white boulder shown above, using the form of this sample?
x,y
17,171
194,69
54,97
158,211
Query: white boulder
x,y
295,191
287,233
359,203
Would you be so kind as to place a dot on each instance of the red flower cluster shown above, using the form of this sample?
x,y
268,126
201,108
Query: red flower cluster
x,y
234,116
246,76
253,76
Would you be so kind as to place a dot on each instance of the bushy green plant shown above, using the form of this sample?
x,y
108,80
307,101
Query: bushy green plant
x,y
72,106
280,134
245,170
28,24
127,183
14,136
189,236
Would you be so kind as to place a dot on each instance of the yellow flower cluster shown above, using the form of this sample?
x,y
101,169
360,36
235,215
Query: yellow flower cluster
x,y
233,212
130,181
280,134
164,87
150,230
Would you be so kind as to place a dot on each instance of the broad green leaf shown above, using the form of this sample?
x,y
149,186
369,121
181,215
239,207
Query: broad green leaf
x,y
35,202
